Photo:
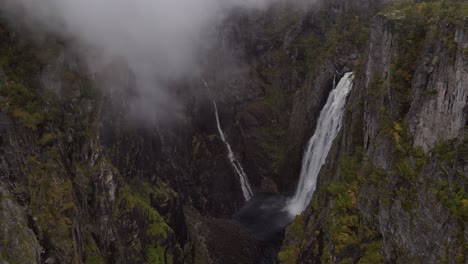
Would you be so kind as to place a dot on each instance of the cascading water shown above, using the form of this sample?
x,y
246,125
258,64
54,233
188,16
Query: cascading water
x,y
328,126
244,181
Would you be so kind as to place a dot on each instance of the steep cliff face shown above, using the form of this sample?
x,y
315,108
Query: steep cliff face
x,y
440,116
394,188
65,196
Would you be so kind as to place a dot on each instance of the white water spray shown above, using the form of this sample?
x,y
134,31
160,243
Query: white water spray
x,y
244,181
328,126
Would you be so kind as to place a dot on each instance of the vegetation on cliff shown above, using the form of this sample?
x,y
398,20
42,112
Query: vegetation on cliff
x,y
79,195
350,218
54,170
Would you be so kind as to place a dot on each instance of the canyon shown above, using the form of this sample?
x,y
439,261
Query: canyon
x,y
324,133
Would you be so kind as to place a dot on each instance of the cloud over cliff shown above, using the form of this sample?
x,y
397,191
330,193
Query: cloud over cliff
x,y
160,40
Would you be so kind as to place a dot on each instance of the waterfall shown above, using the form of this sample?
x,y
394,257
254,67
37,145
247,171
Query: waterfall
x,y
328,126
244,181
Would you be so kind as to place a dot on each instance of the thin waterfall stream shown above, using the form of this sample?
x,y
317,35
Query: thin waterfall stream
x,y
243,179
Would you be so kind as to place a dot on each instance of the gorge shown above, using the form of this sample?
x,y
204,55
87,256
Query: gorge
x,y
330,131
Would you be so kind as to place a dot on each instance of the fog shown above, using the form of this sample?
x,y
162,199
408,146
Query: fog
x,y
160,40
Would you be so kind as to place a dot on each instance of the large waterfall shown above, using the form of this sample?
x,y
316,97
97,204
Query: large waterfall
x,y
328,126
244,181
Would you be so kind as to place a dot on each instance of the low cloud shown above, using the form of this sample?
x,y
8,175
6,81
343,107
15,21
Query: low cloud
x,y
160,40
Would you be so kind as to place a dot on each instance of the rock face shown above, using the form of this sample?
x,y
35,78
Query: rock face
x,y
394,188
439,95
69,191
19,242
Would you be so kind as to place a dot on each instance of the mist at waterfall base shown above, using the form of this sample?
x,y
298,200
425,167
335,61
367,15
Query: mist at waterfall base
x,y
264,216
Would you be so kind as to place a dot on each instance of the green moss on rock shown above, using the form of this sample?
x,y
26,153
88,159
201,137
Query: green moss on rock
x,y
134,204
